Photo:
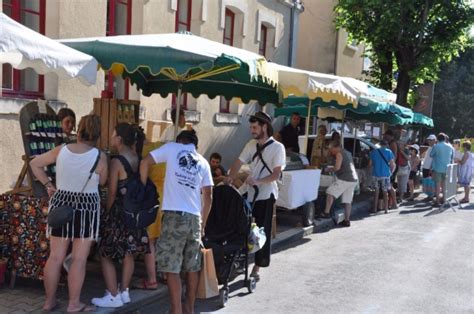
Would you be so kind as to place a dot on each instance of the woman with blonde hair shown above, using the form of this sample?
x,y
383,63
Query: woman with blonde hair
x,y
80,168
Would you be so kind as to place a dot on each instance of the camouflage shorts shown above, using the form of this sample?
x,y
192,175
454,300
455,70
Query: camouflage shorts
x,y
179,246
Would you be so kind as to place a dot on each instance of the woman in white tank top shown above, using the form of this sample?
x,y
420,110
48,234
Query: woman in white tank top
x,y
73,164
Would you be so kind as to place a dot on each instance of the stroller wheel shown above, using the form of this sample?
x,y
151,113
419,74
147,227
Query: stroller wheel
x,y
251,284
224,296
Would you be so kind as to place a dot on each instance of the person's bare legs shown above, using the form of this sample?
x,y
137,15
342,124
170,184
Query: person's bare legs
x,y
437,192
150,263
467,190
347,212
411,184
329,202
394,197
77,272
192,280
376,199
385,201
174,290
110,275
52,269
128,266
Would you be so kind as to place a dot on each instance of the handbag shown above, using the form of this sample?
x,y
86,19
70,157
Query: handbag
x,y
61,215
208,285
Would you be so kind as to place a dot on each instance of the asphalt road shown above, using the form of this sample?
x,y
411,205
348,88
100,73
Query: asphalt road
x,y
415,259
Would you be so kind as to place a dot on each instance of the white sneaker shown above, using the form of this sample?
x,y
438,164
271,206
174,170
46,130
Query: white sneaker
x,y
125,296
108,300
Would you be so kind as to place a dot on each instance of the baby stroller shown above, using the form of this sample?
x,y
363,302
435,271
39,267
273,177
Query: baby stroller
x,y
226,233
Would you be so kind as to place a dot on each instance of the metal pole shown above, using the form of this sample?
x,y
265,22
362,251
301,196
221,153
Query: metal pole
x,y
354,147
307,128
178,108
342,128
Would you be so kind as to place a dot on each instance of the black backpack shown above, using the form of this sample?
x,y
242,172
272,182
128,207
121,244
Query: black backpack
x,y
140,202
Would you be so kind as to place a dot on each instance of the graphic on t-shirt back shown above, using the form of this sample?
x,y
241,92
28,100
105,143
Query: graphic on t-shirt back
x,y
189,167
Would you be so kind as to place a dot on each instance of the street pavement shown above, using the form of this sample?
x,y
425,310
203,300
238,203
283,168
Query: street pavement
x,y
415,259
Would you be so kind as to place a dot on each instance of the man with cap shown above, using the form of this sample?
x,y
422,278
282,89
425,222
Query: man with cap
x,y
266,158
426,168
188,174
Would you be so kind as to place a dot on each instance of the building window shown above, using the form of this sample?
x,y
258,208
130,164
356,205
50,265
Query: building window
x,y
224,104
184,101
183,16
263,40
25,83
229,27
119,22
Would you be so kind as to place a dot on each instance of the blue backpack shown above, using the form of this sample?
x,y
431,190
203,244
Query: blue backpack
x,y
140,202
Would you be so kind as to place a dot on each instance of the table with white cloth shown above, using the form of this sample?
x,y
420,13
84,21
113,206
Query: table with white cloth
x,y
298,187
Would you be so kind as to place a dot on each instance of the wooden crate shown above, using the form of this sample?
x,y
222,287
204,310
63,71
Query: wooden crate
x,y
111,112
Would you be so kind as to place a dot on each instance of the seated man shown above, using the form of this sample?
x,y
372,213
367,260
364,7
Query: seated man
x,y
218,172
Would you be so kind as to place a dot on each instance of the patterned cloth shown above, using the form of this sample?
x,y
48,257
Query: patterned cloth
x,y
23,234
116,239
179,246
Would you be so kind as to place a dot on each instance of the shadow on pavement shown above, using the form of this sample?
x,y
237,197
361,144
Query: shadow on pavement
x,y
416,210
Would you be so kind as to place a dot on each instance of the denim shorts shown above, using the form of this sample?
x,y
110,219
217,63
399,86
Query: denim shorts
x,y
383,183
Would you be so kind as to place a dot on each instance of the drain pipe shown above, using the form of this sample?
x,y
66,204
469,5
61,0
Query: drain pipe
x,y
296,8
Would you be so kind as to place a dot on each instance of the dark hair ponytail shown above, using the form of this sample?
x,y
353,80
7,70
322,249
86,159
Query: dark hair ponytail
x,y
131,135
139,139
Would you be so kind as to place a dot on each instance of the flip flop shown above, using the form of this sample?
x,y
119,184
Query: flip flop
x,y
145,285
85,309
464,201
52,309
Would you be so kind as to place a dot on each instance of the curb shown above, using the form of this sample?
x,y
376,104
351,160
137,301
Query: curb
x,y
281,240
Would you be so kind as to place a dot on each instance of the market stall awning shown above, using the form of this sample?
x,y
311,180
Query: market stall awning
x,y
166,63
368,110
24,48
422,120
364,90
312,85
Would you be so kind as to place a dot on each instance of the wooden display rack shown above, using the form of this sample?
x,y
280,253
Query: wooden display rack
x,y
111,112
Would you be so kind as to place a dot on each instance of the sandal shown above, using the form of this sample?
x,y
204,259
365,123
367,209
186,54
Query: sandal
x,y
256,276
145,285
85,309
324,215
464,202
51,309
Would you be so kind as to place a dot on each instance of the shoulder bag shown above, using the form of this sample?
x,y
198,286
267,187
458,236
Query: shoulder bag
x,y
61,215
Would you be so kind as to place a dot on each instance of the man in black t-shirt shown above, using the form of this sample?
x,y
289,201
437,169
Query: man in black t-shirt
x,y
290,132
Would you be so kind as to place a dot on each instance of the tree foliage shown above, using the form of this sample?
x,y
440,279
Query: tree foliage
x,y
453,105
408,40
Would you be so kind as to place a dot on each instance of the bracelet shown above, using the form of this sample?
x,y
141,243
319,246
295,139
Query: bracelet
x,y
46,183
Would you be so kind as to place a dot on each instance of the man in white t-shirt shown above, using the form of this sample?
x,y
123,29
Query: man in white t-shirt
x,y
267,159
168,134
184,216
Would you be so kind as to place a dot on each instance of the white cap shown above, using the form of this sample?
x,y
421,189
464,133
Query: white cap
x,y
415,146
431,137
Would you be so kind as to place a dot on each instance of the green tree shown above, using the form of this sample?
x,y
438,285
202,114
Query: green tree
x,y
453,105
409,40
